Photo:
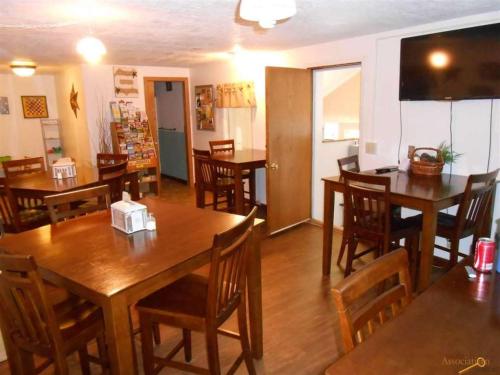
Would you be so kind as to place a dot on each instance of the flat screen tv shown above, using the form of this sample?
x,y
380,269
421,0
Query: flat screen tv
x,y
452,65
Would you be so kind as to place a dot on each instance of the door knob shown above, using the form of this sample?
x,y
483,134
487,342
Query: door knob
x,y
273,166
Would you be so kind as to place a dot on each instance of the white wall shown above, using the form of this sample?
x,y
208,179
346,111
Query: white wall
x,y
75,136
99,89
20,137
425,123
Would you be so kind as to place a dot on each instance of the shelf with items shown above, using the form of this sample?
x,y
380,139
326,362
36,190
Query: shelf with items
x,y
51,133
131,135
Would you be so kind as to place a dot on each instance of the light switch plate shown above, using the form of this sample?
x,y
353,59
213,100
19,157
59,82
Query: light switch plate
x,y
371,148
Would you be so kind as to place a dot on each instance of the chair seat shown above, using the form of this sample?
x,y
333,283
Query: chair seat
x,y
446,226
227,182
408,223
186,297
76,315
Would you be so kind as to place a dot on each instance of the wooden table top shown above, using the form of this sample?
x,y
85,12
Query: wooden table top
x,y
431,188
242,156
89,252
442,331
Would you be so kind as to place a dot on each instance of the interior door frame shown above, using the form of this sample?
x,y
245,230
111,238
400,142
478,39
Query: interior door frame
x,y
150,103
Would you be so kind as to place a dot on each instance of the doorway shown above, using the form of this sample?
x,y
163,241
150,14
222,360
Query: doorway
x,y
336,130
167,107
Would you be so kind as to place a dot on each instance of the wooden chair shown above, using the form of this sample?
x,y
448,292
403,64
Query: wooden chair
x,y
203,304
110,159
16,218
13,168
35,327
349,163
366,198
470,215
207,179
360,320
66,205
226,146
114,176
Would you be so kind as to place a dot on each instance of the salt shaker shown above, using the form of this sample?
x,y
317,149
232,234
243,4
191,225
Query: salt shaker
x,y
151,222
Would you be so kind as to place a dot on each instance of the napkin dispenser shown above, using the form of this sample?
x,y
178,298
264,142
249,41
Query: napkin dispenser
x,y
128,216
64,168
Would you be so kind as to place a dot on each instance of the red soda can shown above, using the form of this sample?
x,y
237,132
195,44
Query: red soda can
x,y
484,255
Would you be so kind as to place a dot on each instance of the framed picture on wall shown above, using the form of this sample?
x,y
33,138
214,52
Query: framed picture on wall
x,y
35,106
204,105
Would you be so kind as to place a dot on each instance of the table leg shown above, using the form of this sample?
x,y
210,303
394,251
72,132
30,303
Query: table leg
x,y
328,204
239,196
118,336
428,237
255,296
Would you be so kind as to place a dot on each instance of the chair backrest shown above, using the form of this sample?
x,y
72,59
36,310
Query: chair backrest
x,y
25,311
366,198
204,171
110,159
62,206
8,208
349,163
475,200
227,278
223,146
359,315
114,176
18,167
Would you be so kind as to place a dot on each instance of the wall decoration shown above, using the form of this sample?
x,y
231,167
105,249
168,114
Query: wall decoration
x,y
4,105
204,102
236,95
35,106
125,82
73,100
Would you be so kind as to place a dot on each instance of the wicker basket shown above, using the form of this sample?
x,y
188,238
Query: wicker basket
x,y
427,168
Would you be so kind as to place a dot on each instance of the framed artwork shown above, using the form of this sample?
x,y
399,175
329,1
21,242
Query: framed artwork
x,y
4,105
35,106
204,102
125,82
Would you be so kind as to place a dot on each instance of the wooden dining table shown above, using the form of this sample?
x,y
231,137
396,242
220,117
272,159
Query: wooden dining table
x,y
41,184
449,327
114,270
428,194
238,161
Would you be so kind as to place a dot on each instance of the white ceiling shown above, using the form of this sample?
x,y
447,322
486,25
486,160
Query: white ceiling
x,y
183,32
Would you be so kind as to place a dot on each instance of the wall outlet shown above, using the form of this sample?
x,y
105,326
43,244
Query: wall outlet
x,y
371,148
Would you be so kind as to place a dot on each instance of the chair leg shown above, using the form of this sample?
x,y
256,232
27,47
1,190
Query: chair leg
x,y
343,245
186,339
156,333
147,344
212,351
103,352
215,195
351,250
245,343
454,242
26,362
61,366
84,360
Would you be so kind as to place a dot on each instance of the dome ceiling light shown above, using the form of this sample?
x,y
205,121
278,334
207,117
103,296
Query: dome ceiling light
x,y
92,49
267,12
23,68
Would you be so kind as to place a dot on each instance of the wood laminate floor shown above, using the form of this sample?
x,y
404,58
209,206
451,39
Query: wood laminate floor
x,y
300,322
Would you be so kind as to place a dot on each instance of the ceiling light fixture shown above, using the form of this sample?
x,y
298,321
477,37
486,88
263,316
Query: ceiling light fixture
x,y
23,68
267,12
92,49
